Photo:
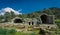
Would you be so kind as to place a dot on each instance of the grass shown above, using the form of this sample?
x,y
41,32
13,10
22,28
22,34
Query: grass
x,y
57,21
22,33
4,31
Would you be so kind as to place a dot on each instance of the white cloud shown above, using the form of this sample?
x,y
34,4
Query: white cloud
x,y
8,9
20,10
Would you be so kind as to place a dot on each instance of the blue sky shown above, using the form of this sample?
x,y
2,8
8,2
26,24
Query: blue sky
x,y
29,6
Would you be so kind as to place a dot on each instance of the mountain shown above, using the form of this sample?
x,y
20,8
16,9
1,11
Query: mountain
x,y
8,9
50,11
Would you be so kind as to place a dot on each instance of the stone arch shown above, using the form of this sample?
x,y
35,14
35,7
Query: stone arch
x,y
44,18
17,20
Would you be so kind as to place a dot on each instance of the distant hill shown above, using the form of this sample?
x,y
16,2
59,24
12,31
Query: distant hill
x,y
50,11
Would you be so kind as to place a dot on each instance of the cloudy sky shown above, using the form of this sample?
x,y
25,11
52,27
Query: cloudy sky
x,y
28,6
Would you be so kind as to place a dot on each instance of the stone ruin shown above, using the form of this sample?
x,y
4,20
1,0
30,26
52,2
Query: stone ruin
x,y
45,21
17,20
47,24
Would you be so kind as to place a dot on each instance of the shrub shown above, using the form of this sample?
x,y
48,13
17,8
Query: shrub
x,y
7,32
12,31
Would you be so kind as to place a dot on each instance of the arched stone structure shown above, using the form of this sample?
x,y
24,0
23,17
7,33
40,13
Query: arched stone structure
x,y
44,18
17,20
47,19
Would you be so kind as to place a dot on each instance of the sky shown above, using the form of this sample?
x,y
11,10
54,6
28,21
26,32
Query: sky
x,y
29,6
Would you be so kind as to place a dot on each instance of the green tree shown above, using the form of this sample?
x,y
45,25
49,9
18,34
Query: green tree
x,y
1,18
7,16
12,15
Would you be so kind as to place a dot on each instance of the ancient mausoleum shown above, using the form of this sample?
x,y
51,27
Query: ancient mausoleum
x,y
47,19
17,20
43,19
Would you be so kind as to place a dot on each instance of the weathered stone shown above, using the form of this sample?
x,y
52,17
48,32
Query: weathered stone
x,y
47,19
44,18
51,19
17,20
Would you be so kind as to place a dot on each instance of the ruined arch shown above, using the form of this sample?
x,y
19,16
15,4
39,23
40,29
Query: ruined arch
x,y
44,18
17,20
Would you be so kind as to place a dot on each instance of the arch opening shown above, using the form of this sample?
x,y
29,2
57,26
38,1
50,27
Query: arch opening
x,y
44,19
18,21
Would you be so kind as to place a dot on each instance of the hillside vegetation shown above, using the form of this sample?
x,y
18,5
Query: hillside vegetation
x,y
50,11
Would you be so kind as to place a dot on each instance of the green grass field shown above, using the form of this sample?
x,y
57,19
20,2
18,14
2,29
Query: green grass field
x,y
58,24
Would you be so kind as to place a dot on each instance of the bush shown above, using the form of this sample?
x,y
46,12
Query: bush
x,y
7,32
57,20
12,31
33,34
